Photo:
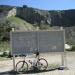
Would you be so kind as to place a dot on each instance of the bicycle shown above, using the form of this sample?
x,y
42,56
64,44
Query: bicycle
x,y
40,64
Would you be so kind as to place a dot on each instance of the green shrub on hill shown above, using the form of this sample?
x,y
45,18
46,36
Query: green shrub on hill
x,y
5,8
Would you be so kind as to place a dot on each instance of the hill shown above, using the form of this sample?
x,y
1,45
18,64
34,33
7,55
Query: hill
x,y
19,24
4,8
63,18
28,18
53,18
13,22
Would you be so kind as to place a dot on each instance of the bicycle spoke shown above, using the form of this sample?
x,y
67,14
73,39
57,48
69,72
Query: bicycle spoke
x,y
21,66
43,64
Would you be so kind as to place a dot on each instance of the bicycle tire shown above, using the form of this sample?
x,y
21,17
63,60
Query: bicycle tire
x,y
21,66
44,64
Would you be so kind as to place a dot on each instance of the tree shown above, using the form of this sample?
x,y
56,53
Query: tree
x,y
4,30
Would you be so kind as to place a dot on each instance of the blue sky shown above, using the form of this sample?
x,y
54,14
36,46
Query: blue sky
x,y
42,4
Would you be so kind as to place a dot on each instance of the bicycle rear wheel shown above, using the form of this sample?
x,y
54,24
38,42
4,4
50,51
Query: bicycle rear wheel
x,y
42,64
21,67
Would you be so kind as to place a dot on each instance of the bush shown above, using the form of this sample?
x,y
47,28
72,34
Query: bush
x,y
71,49
44,27
4,54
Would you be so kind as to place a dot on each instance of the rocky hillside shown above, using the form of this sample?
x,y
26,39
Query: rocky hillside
x,y
4,8
28,18
63,18
52,17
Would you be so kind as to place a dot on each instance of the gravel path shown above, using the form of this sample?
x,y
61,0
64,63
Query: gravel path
x,y
7,65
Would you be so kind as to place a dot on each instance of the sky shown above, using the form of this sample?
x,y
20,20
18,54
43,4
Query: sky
x,y
42,4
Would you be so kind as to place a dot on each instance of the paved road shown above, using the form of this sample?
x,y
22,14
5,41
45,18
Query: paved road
x,y
7,65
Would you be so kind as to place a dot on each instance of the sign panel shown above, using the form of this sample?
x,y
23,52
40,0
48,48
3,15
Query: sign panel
x,y
51,41
23,42
44,41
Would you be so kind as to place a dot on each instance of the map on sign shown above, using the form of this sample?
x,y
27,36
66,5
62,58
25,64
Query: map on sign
x,y
43,41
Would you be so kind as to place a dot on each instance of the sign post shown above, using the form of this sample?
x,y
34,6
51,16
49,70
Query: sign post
x,y
13,54
14,63
63,55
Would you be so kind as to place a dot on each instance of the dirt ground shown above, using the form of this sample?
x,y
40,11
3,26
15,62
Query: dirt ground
x,y
52,58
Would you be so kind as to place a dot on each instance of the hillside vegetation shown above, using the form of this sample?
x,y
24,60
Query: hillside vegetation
x,y
63,18
29,19
20,24
4,8
51,18
16,23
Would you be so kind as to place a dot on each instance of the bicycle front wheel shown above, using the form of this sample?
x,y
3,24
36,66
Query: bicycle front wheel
x,y
42,64
21,67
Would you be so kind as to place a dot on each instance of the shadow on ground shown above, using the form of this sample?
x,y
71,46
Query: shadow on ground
x,y
28,72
